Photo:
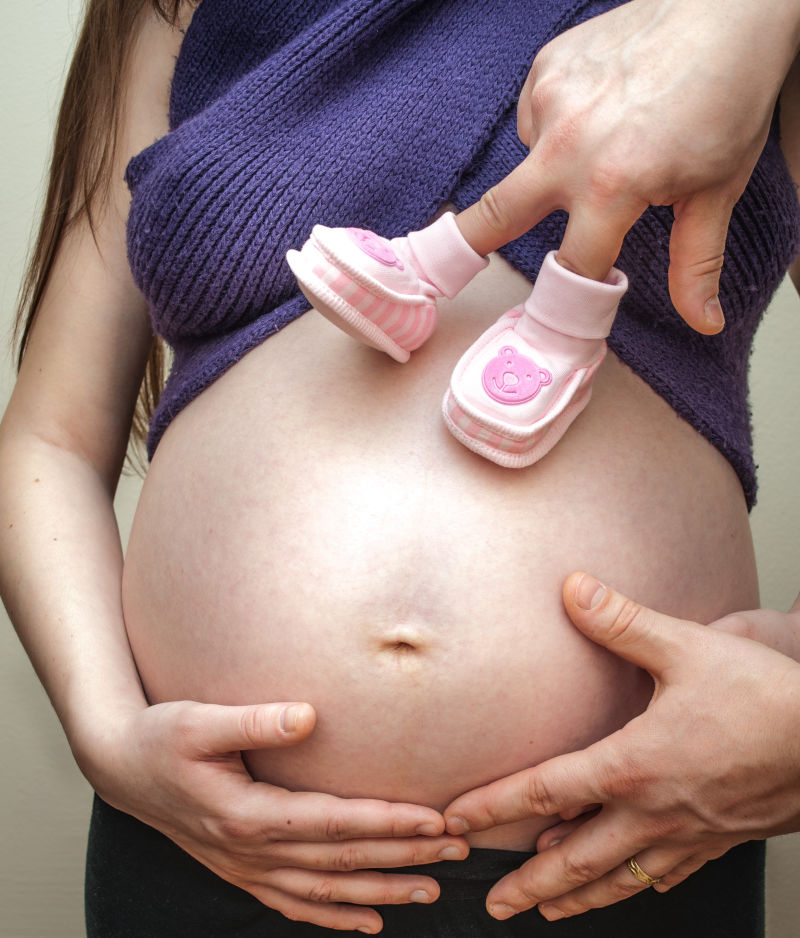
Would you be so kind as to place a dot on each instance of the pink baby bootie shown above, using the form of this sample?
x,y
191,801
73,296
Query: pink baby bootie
x,y
384,292
517,389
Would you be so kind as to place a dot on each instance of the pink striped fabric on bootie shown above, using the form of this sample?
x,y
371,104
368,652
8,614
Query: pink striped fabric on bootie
x,y
380,291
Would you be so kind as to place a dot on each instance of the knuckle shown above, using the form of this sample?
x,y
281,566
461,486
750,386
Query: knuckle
x,y
386,897
666,827
420,855
383,893
348,858
537,797
235,826
608,181
185,728
709,266
322,890
633,769
397,825
251,724
494,212
578,870
628,614
335,827
519,892
231,829
671,879
549,84
700,249
527,893
629,777
688,265
541,100
623,886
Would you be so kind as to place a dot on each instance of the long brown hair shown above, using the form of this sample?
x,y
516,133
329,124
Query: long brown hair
x,y
80,166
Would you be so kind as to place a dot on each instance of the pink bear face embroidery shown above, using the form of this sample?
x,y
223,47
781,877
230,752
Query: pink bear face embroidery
x,y
511,378
377,248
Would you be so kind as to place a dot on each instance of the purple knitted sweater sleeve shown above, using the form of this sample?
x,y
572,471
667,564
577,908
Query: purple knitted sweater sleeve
x,y
373,113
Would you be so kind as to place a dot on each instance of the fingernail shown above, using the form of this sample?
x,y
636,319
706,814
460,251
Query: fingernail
x,y
429,830
366,931
553,843
451,853
501,912
590,592
457,825
290,717
713,313
419,895
551,913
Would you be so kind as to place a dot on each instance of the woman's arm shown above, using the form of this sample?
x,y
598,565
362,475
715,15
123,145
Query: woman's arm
x,y
175,766
62,443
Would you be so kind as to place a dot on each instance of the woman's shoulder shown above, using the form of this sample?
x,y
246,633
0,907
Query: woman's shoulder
x,y
148,77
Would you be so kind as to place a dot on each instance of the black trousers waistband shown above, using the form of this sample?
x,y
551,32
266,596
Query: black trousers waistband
x,y
141,885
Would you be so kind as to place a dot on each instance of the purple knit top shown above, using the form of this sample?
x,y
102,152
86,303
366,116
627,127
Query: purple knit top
x,y
372,113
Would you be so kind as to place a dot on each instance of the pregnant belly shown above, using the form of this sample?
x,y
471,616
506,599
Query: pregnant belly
x,y
309,531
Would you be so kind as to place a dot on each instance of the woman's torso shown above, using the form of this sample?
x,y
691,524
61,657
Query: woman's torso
x,y
310,531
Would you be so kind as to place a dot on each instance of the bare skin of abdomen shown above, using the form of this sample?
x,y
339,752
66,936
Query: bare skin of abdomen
x,y
310,531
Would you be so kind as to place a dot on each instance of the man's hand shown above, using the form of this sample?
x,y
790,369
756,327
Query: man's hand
x,y
656,102
713,761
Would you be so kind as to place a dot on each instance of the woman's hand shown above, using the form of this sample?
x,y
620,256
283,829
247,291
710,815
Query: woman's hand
x,y
178,767
656,102
713,761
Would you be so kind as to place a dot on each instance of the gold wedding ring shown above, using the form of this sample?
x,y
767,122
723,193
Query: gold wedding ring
x,y
640,874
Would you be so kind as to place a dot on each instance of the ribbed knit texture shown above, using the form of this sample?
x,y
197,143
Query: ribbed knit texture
x,y
372,113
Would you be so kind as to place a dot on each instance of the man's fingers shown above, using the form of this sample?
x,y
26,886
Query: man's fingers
x,y
525,128
642,636
669,866
554,835
587,855
618,884
556,785
510,208
684,870
594,237
590,863
697,249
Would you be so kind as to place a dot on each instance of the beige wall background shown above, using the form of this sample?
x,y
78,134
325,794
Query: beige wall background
x,y
44,801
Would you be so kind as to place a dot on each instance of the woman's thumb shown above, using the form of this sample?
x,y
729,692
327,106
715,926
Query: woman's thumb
x,y
257,726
